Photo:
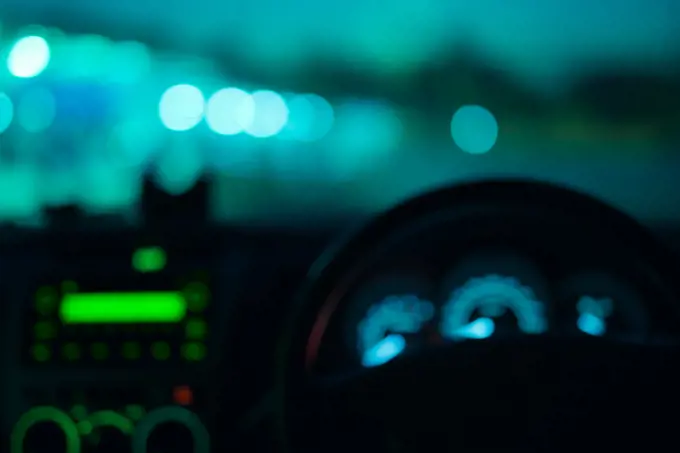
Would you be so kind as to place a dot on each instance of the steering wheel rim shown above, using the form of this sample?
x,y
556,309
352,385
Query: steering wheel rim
x,y
338,260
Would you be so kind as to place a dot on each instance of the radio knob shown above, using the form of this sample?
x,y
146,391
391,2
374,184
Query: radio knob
x,y
45,437
171,429
107,432
45,429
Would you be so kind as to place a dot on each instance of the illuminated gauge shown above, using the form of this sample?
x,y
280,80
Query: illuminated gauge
x,y
382,333
598,303
494,294
388,316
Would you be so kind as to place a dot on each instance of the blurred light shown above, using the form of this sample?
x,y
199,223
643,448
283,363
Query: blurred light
x,y
271,114
149,259
54,33
477,330
83,103
104,188
230,111
19,196
365,135
29,57
84,57
183,395
600,307
323,117
387,349
36,110
182,107
6,112
591,324
179,168
310,118
133,141
300,118
131,62
57,188
593,312
474,129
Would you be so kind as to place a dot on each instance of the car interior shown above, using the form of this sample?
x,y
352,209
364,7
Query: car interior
x,y
293,226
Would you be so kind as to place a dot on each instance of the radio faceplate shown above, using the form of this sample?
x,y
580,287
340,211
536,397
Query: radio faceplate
x,y
118,317
115,353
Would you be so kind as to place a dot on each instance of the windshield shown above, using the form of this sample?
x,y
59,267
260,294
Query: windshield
x,y
335,109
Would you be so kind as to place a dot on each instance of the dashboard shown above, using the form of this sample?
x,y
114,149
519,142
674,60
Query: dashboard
x,y
503,315
199,339
108,336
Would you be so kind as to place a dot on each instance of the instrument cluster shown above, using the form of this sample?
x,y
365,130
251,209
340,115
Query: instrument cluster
x,y
486,294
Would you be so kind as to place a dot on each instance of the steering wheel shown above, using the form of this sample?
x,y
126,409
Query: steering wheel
x,y
516,393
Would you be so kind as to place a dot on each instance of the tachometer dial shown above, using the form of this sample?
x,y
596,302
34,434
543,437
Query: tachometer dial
x,y
382,333
493,294
387,317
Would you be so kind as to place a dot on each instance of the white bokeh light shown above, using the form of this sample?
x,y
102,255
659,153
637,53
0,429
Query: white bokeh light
x,y
29,57
230,111
271,114
181,107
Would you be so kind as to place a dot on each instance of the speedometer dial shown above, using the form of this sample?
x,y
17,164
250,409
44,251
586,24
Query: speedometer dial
x,y
493,294
473,309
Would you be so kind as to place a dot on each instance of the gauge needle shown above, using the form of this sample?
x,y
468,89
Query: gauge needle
x,y
384,351
591,324
476,330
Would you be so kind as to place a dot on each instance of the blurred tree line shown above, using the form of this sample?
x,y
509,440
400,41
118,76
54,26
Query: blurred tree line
x,y
624,103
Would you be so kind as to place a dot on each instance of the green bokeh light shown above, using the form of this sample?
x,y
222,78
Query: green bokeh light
x,y
149,259
99,351
131,350
196,329
160,350
194,352
196,295
41,353
46,300
45,330
71,351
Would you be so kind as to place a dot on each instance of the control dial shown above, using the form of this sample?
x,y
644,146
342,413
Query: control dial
x,y
494,293
106,432
45,429
170,429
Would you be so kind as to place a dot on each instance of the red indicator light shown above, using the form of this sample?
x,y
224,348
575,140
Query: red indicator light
x,y
183,395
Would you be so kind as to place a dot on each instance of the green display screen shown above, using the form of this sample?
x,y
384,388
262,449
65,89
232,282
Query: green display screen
x,y
133,307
